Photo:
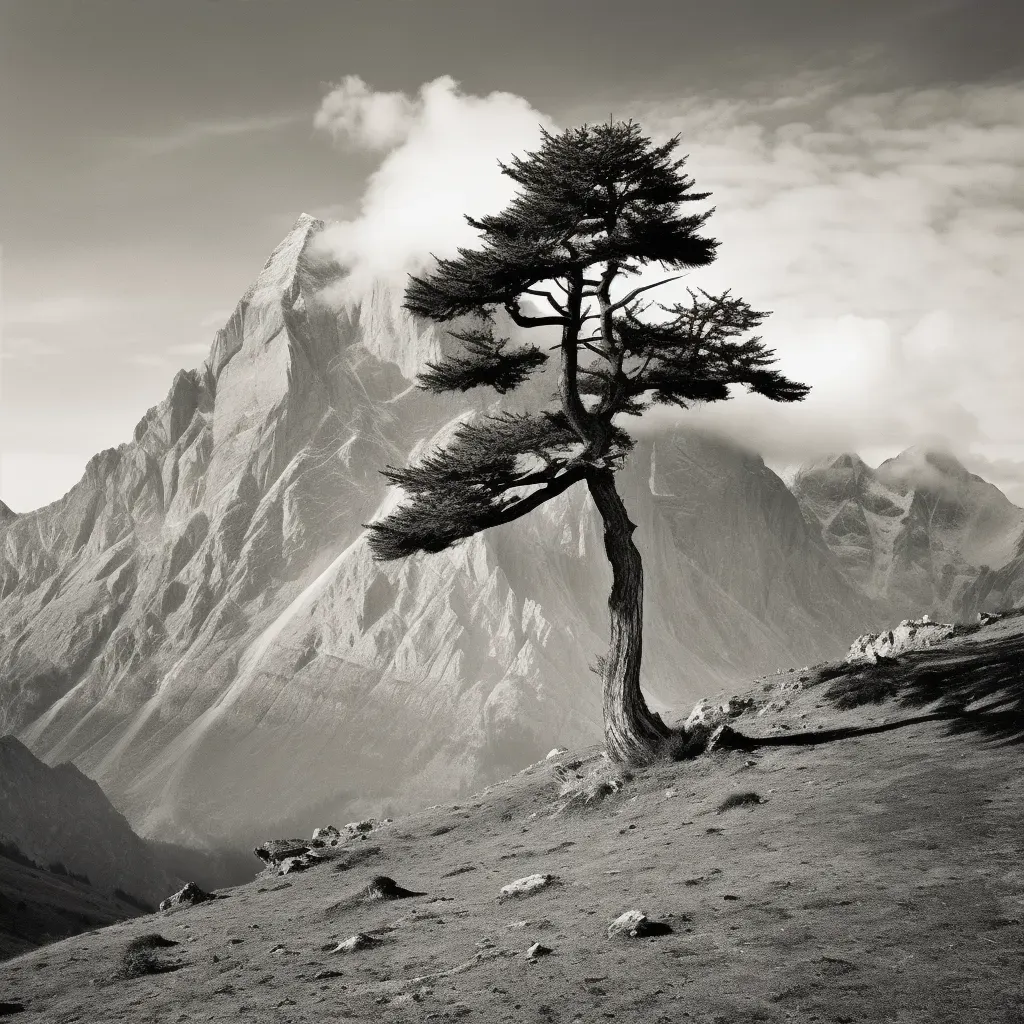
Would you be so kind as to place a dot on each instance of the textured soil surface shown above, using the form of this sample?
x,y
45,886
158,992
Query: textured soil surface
x,y
875,875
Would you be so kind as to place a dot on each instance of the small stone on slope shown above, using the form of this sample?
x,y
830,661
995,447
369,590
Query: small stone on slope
x,y
188,896
355,943
526,886
634,924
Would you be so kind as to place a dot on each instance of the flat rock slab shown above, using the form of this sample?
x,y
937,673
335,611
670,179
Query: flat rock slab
x,y
273,851
526,886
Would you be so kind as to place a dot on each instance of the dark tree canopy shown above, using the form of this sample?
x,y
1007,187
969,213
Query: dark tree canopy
x,y
595,206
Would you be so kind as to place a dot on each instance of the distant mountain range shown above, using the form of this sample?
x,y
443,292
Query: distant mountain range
x,y
198,624
919,533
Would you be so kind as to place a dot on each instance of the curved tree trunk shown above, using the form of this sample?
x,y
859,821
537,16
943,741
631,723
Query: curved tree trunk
x,y
632,732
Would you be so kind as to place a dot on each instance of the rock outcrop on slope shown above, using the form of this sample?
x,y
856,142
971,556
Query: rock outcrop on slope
x,y
919,533
60,820
907,636
199,626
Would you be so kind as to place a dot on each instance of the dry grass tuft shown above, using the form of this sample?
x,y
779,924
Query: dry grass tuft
x,y
580,791
746,799
871,685
138,960
686,744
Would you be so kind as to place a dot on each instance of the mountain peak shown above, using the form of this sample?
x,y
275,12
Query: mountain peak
x,y
938,459
6,513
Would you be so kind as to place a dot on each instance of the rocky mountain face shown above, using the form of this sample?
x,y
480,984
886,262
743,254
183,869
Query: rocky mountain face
x,y
59,819
198,624
919,533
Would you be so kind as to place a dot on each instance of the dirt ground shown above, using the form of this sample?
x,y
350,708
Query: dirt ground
x,y
878,878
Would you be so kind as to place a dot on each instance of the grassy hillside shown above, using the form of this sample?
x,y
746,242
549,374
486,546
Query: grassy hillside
x,y
866,867
39,906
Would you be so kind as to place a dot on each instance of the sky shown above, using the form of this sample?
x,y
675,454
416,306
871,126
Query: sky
x,y
865,159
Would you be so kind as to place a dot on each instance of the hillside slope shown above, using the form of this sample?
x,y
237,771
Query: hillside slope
x,y
38,907
58,816
198,625
869,870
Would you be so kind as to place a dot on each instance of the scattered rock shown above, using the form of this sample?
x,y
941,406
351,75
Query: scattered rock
x,y
357,827
526,886
556,752
671,792
301,863
907,636
276,850
634,924
328,834
356,942
324,975
518,924
538,950
188,896
707,713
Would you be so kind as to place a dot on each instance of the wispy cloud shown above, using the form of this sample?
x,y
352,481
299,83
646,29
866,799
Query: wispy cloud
x,y
197,133
27,348
56,310
193,348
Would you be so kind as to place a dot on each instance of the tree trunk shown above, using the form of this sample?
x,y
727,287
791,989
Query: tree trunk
x,y
632,732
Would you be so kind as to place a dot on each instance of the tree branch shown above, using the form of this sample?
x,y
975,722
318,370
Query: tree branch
x,y
518,318
558,307
639,291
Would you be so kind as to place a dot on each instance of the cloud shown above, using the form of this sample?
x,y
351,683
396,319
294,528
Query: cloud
x,y
441,162
884,232
352,111
27,348
192,348
196,133
148,360
58,310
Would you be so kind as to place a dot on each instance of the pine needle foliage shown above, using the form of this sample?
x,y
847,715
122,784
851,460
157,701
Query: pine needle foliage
x,y
595,206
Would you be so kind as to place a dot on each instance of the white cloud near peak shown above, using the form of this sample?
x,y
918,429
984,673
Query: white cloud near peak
x,y
443,148
885,232
353,112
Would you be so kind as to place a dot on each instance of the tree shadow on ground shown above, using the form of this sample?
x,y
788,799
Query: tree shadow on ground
x,y
806,739
976,687
979,687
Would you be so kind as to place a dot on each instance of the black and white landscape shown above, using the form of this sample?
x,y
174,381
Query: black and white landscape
x,y
200,654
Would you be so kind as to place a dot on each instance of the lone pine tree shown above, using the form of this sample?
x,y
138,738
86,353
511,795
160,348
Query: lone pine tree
x,y
594,206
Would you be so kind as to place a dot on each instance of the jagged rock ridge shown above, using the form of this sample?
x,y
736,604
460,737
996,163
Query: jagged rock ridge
x,y
199,626
919,533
